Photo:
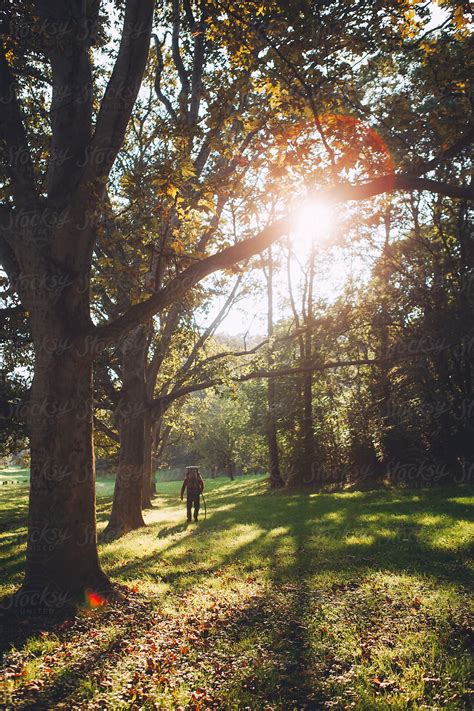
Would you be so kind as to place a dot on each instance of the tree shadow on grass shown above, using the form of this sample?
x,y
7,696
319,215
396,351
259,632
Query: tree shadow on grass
x,y
337,532
348,534
173,530
236,626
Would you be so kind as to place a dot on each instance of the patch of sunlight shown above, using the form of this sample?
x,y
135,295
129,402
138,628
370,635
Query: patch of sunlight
x,y
370,517
460,534
40,645
19,534
241,533
465,500
223,507
387,533
360,540
278,531
332,516
400,582
349,494
337,495
375,517
431,519
390,498
399,516
165,517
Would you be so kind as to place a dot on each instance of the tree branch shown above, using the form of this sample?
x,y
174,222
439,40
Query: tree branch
x,y
178,62
122,89
12,131
177,287
67,34
198,62
161,404
106,430
154,366
209,331
158,73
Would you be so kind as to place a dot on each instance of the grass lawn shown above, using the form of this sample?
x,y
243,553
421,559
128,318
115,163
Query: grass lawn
x,y
277,601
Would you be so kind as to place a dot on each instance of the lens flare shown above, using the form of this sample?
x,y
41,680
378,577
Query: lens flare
x,y
312,223
94,600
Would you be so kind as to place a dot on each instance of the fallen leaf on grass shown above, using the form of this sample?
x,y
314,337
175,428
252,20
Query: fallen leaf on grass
x,y
381,684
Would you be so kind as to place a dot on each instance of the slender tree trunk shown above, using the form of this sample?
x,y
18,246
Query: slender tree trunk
x,y
148,473
308,425
230,469
131,415
160,436
276,479
394,440
309,465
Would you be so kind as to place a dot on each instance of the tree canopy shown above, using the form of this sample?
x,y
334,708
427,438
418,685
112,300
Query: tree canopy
x,y
147,146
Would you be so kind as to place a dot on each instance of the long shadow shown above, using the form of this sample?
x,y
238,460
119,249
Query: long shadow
x,y
69,679
236,625
324,530
291,635
394,538
337,517
172,530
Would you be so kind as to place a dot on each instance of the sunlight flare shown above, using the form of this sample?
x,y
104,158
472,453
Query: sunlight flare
x,y
313,222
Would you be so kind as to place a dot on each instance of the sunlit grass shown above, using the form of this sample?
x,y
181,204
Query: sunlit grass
x,y
365,592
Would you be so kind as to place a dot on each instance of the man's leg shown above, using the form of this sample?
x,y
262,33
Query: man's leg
x,y
196,506
189,504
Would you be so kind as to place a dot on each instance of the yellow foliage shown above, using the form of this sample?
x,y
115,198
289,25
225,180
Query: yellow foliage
x,y
172,191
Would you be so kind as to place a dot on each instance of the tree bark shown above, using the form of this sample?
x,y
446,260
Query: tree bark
x,y
61,558
308,466
148,472
230,469
131,415
276,480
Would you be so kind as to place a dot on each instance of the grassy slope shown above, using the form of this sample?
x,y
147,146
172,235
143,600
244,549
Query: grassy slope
x,y
354,600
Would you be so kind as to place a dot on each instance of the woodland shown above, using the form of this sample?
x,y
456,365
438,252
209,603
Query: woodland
x,y
236,235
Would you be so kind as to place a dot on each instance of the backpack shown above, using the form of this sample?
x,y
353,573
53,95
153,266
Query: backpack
x,y
194,483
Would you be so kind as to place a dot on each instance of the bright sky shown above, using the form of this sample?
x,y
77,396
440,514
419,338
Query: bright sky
x,y
333,271
334,267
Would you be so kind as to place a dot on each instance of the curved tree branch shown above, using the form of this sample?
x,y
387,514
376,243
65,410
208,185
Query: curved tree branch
x,y
99,336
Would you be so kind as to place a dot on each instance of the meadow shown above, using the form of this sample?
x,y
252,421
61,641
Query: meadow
x,y
276,601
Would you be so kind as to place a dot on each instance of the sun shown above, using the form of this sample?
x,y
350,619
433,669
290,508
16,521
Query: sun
x,y
312,224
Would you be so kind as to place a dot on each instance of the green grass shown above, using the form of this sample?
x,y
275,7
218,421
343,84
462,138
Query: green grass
x,y
277,601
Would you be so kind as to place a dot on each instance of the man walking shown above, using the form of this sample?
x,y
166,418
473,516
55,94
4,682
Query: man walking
x,y
193,484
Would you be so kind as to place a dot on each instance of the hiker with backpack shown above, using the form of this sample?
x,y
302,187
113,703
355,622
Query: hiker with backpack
x,y
193,484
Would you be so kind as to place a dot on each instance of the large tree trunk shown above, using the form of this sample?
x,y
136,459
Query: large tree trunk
x,y
62,547
131,414
61,559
